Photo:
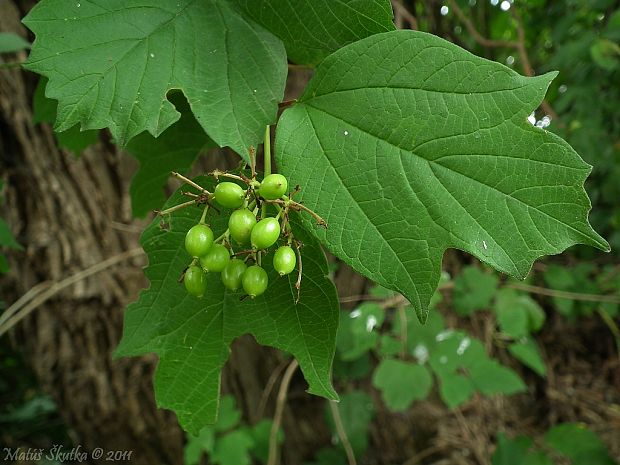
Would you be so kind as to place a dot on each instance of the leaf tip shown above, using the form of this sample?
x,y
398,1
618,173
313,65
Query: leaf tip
x,y
327,392
422,314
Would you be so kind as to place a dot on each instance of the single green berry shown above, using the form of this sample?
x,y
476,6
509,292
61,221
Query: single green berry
x,y
273,187
195,281
265,233
231,275
284,260
229,194
240,225
254,281
216,259
199,240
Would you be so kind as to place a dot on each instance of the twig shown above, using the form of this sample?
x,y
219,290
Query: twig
x,y
190,182
403,331
252,155
392,302
21,308
474,32
244,252
298,206
342,434
320,221
423,454
271,382
469,436
167,211
519,46
287,103
528,70
564,294
274,455
530,289
218,173
24,299
525,60
613,327
293,66
130,228
406,14
298,282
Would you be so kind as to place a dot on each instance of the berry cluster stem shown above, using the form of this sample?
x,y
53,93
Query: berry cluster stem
x,y
191,183
222,236
204,214
267,163
167,211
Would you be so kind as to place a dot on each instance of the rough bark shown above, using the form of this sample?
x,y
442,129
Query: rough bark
x,y
71,214
67,213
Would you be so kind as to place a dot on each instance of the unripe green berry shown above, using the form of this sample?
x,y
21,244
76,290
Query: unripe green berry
x,y
216,259
240,225
265,233
198,240
229,194
255,281
273,187
284,260
231,275
195,281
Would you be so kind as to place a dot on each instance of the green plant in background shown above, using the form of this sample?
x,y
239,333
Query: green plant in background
x,y
518,316
583,278
229,441
401,142
411,354
564,443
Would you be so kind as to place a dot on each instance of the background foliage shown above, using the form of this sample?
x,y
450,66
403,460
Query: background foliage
x,y
487,335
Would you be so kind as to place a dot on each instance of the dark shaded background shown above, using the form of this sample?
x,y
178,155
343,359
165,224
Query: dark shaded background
x,y
59,384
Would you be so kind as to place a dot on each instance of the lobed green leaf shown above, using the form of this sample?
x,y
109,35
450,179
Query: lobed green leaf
x,y
112,63
175,149
408,145
312,29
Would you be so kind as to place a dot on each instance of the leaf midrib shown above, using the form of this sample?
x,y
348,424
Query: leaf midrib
x,y
413,287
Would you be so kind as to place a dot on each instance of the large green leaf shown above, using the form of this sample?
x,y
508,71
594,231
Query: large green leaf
x,y
111,63
44,111
312,29
192,336
174,150
408,145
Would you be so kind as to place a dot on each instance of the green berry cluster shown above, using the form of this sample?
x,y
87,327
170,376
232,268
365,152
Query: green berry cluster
x,y
243,269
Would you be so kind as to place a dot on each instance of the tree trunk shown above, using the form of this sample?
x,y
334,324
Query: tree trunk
x,y
74,213
68,213
71,214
